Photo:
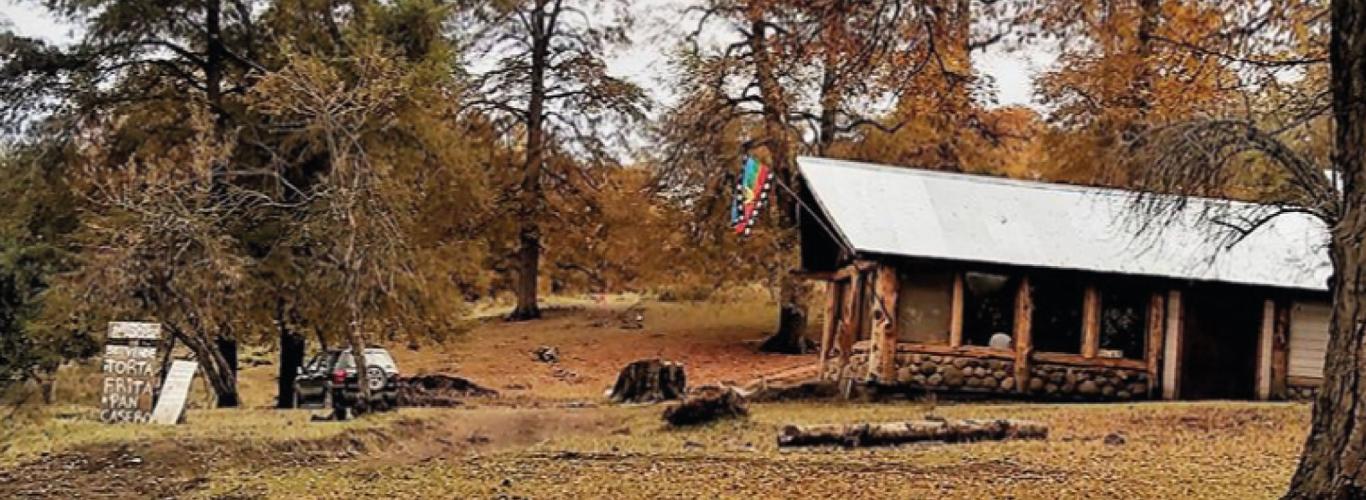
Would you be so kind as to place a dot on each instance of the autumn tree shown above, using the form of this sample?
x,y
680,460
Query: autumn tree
x,y
392,164
1332,465
546,81
155,243
1269,139
1131,66
136,63
792,78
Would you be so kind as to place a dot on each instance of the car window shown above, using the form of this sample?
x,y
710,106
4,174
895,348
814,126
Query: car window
x,y
315,364
380,357
345,361
373,357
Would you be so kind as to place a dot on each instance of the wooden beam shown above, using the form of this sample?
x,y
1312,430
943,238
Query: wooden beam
x,y
956,312
1280,351
1265,340
802,274
845,273
967,351
882,364
1171,353
1024,342
833,296
1058,358
1304,381
1090,322
849,321
1156,325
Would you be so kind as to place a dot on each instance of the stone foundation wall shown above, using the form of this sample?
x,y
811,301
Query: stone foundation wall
x,y
1087,383
955,373
965,374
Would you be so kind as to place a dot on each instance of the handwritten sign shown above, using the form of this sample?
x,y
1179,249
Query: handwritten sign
x,y
134,330
130,372
174,390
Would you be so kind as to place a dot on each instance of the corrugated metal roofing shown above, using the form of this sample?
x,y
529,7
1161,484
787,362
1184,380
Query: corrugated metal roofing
x,y
918,213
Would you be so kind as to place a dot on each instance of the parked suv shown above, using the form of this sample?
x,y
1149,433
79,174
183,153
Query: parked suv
x,y
329,379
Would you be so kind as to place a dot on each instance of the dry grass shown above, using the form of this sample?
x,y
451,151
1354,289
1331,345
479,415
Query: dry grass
x,y
533,443
715,340
1220,450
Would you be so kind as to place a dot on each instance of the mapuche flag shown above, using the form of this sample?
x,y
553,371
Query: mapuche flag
x,y
751,192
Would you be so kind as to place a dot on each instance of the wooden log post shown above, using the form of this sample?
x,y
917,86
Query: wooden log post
x,y
1156,325
849,321
1265,341
1090,322
882,359
1280,352
1024,341
1171,353
956,312
833,302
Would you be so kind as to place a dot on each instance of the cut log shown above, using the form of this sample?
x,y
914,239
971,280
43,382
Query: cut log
x,y
806,390
894,433
706,404
438,390
649,381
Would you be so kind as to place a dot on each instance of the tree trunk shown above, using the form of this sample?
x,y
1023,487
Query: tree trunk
x,y
529,236
790,338
355,336
791,306
213,60
1333,464
1141,90
215,367
291,358
227,348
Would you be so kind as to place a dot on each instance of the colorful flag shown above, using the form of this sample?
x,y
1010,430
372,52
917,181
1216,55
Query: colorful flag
x,y
751,192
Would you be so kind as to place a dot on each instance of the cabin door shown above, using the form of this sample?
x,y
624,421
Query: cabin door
x,y
1219,343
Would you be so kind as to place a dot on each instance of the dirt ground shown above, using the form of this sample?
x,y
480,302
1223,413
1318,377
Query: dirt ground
x,y
551,435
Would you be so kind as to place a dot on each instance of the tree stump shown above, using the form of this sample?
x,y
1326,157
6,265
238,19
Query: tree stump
x,y
893,433
649,381
706,404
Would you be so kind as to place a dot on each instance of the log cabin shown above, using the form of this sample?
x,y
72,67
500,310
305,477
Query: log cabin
x,y
960,283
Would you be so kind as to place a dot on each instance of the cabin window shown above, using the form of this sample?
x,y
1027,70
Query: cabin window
x,y
1123,321
924,306
1056,325
988,307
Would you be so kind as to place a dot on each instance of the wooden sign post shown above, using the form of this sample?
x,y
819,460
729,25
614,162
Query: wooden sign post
x,y
130,372
171,404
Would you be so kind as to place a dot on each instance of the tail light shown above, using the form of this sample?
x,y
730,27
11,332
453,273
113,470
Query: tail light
x,y
339,376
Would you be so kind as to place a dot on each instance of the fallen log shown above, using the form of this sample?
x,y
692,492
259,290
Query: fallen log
x,y
893,433
706,404
438,390
807,390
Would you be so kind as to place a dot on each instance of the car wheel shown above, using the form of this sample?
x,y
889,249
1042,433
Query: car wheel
x,y
375,378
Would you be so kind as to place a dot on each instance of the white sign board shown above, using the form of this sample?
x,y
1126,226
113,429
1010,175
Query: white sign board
x,y
130,372
134,330
174,391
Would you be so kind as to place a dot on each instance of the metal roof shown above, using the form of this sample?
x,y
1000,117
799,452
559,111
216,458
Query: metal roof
x,y
918,213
